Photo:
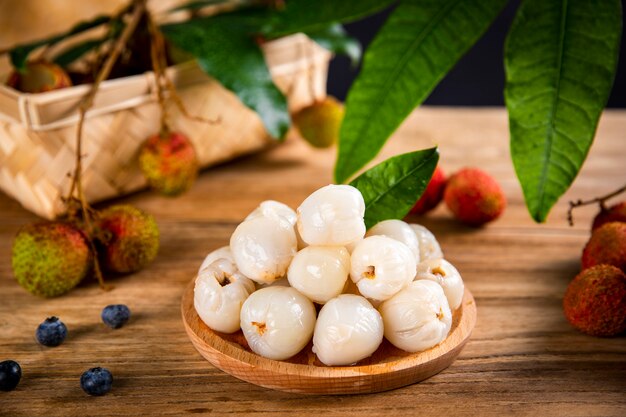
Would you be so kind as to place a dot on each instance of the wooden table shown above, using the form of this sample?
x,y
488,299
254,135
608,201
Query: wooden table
x,y
523,357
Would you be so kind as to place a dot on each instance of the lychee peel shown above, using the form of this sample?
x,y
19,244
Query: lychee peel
x,y
595,301
607,245
50,258
320,122
433,194
474,197
615,213
129,238
39,77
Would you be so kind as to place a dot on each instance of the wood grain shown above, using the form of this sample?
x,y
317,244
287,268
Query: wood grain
x,y
522,359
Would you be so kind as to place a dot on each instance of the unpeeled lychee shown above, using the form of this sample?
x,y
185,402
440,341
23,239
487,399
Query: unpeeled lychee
x,y
319,123
433,194
50,258
39,77
168,161
129,238
616,213
474,197
595,301
607,245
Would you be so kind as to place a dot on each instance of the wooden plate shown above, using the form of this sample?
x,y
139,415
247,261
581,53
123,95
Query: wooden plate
x,y
386,369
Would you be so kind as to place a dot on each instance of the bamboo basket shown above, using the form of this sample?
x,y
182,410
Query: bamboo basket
x,y
38,131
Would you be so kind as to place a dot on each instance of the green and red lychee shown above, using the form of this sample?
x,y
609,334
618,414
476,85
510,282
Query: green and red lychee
x,y
474,197
168,161
50,258
607,245
39,77
615,213
320,122
128,238
595,301
433,194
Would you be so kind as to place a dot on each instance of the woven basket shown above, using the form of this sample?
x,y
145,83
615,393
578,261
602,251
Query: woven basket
x,y
38,131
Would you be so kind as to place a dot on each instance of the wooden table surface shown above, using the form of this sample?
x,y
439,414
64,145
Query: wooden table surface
x,y
523,357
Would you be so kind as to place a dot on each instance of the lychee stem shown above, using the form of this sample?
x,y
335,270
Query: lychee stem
x,y
600,200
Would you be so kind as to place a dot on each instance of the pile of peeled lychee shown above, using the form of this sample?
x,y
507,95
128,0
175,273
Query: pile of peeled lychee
x,y
595,301
50,258
390,281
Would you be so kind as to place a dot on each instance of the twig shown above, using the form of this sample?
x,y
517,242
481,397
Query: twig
x,y
599,200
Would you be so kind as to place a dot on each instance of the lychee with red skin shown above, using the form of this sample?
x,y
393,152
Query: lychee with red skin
x,y
595,301
433,194
607,245
169,163
39,77
474,197
128,238
615,213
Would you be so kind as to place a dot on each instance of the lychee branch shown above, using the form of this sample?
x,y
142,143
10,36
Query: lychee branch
x,y
600,200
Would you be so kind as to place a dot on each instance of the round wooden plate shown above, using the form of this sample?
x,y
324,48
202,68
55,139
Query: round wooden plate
x,y
386,369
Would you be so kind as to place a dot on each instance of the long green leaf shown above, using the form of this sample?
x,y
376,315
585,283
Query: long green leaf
x,y
391,188
560,61
20,53
76,51
311,16
335,38
417,46
225,49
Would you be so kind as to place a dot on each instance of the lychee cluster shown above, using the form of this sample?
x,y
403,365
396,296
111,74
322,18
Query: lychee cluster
x,y
473,196
50,258
387,282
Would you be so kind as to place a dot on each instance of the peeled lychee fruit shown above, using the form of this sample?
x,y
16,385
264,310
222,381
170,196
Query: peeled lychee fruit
x,y
606,246
433,194
319,123
474,197
168,161
50,258
616,213
39,77
129,238
595,301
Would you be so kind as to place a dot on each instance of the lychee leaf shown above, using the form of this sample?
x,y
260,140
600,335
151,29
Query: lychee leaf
x,y
335,38
77,51
225,49
420,42
391,188
560,61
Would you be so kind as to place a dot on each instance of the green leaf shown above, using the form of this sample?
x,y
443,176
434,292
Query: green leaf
x,y
420,42
199,4
311,16
20,53
335,38
391,188
560,61
76,51
225,50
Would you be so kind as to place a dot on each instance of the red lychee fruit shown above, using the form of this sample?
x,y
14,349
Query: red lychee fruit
x,y
595,301
169,163
616,213
129,238
474,197
607,245
50,258
39,77
433,194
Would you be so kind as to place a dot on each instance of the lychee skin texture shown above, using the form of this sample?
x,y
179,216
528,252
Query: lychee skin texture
x,y
607,245
320,122
616,213
474,197
169,163
130,238
39,77
595,301
432,195
50,258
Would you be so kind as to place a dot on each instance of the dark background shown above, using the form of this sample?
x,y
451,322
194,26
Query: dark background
x,y
476,80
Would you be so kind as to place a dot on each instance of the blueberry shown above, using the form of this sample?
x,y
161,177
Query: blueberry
x,y
10,375
51,332
96,381
115,315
